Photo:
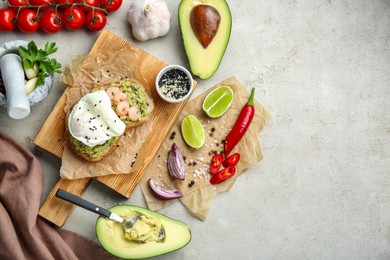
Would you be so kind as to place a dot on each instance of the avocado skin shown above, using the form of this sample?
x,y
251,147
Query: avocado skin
x,y
177,235
204,62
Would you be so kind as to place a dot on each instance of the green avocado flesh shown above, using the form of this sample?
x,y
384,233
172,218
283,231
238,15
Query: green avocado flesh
x,y
136,97
204,62
111,235
95,151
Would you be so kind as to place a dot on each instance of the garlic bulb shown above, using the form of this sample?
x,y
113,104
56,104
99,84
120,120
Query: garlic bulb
x,y
149,19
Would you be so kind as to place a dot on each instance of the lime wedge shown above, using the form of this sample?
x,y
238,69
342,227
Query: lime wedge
x,y
192,131
218,101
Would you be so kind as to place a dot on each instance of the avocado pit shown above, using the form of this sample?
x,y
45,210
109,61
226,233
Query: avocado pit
x,y
205,21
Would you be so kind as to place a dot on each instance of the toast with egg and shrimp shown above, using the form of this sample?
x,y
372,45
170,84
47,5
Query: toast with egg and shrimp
x,y
97,122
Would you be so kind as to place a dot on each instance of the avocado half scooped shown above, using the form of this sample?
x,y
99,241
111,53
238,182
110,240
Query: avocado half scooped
x,y
204,60
111,235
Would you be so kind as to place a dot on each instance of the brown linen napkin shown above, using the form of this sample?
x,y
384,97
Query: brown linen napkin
x,y
23,234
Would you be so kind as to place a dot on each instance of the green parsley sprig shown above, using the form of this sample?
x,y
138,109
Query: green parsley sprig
x,y
36,62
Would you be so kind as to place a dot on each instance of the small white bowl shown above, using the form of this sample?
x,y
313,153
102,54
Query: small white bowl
x,y
173,90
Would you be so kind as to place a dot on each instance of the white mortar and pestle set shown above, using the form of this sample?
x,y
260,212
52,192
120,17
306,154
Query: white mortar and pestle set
x,y
16,100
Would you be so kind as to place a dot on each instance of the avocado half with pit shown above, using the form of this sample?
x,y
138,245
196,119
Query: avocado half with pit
x,y
205,27
111,235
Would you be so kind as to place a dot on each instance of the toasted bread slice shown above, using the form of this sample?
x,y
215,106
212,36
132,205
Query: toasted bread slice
x,y
136,97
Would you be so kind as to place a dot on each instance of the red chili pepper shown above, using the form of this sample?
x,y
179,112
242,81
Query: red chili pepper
x,y
216,163
243,121
223,175
232,160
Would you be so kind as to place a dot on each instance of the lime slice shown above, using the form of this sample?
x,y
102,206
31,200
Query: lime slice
x,y
218,101
192,131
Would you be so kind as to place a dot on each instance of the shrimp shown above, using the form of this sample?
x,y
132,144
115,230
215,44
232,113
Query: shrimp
x,y
119,97
122,108
112,91
133,113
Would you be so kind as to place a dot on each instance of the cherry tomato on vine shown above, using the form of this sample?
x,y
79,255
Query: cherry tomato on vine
x,y
95,20
110,5
43,4
28,21
216,163
63,4
223,175
232,160
93,3
50,21
73,18
7,17
15,4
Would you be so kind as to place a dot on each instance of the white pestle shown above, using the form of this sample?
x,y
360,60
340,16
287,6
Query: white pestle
x,y
12,72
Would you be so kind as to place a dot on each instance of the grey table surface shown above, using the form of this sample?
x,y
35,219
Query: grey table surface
x,y
322,191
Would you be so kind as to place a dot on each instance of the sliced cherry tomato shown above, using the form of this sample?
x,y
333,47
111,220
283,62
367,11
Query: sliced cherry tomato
x,y
73,18
28,21
50,21
232,160
66,3
216,163
110,5
223,175
7,19
88,3
95,20
43,4
15,4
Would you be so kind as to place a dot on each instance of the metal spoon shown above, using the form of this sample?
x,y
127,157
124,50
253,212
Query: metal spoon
x,y
127,223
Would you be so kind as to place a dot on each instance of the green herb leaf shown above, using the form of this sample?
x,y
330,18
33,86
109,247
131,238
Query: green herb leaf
x,y
32,54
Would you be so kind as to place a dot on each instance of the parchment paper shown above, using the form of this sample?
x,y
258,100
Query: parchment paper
x,y
198,198
85,73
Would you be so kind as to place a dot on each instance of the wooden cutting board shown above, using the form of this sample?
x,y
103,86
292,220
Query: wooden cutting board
x,y
51,136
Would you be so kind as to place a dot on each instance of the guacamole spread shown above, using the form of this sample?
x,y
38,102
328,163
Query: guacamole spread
x,y
136,97
95,151
145,229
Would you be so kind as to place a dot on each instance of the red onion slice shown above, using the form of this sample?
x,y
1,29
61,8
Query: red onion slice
x,y
176,164
164,193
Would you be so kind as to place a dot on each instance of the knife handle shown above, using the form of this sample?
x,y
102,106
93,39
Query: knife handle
x,y
69,197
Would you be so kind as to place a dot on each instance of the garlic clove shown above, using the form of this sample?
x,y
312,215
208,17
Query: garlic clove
x,y
30,85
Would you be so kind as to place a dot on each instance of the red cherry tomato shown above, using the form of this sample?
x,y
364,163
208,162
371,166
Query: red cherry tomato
x,y
73,18
232,160
15,4
63,3
216,163
95,20
7,19
50,21
223,175
43,4
110,5
28,21
89,3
